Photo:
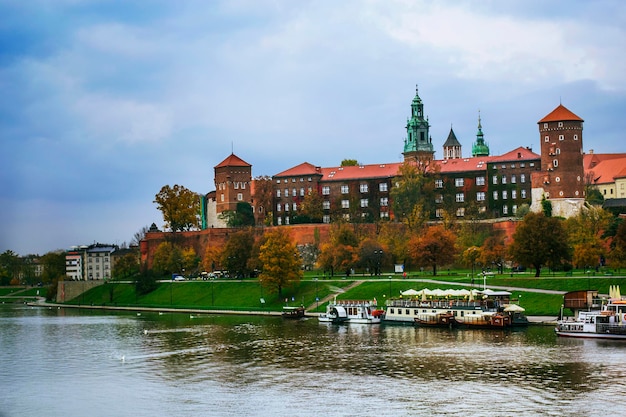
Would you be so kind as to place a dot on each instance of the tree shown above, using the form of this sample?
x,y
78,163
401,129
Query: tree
x,y
280,261
167,259
586,231
412,196
546,206
9,267
310,210
371,255
262,198
539,240
241,217
350,163
237,253
180,208
139,235
435,247
126,267
212,258
53,271
190,260
617,255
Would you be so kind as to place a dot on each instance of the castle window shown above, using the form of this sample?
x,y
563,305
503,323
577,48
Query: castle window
x,y
460,197
480,180
495,195
293,180
505,210
326,205
239,197
278,193
504,179
513,179
286,192
384,202
558,151
495,180
301,192
294,192
514,208
278,208
480,196
555,163
560,124
294,207
438,183
505,194
513,194
546,139
286,206
364,202
460,212
557,179
575,137
363,188
222,197
545,125
439,199
326,190
345,204
236,185
382,186
458,182
277,181
523,192
384,214
326,218
439,213
561,137
344,189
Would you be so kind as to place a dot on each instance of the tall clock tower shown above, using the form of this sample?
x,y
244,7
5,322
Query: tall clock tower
x,y
418,146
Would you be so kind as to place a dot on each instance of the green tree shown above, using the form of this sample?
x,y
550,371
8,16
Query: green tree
x,y
237,253
53,271
350,163
617,255
243,216
310,210
180,208
146,282
546,206
263,193
412,196
126,267
9,266
167,259
280,261
539,240
436,247
372,255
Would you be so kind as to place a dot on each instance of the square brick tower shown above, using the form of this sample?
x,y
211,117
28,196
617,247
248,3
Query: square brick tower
x,y
562,178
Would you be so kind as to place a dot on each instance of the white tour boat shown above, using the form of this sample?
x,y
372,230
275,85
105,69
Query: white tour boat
x,y
609,322
352,311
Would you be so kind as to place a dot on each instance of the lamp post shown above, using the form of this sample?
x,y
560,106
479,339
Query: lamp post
x,y
378,254
317,298
390,286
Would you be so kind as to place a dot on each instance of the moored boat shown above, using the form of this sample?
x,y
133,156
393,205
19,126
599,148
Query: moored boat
x,y
293,312
352,311
479,305
436,319
608,322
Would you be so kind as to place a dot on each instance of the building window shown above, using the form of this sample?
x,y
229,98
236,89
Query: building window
x,y
382,186
505,194
439,183
278,193
344,189
384,214
439,198
364,202
495,180
345,204
286,192
546,139
460,212
505,210
575,137
439,213
495,195
480,196
278,207
326,218
504,179
286,220
560,124
325,190
458,182
236,185
480,180
294,207
522,178
513,194
384,202
326,205
277,181
294,192
286,206
301,192
513,179
363,188
460,197
523,193
239,197
561,137
514,209
545,125
346,216
555,163
222,197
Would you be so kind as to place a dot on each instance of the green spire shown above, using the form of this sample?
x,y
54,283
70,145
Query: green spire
x,y
480,148
417,126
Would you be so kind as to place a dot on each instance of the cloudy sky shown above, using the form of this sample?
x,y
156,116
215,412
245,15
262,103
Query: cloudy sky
x,y
102,102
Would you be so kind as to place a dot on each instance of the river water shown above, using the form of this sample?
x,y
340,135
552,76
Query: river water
x,y
68,362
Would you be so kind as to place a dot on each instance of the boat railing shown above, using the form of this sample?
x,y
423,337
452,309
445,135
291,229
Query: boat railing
x,y
435,303
355,303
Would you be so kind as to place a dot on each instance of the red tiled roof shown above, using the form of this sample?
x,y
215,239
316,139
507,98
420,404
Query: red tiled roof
x,y
233,161
519,154
560,114
478,163
361,172
590,160
304,168
608,170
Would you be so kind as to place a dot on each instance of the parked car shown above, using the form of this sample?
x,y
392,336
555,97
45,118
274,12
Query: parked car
x,y
178,278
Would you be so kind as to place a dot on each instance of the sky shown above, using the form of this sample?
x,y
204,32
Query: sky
x,y
103,102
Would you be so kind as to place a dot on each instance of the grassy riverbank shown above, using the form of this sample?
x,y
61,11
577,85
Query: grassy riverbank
x,y
248,295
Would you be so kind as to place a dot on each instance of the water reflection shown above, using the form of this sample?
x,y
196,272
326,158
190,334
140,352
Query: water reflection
x,y
236,365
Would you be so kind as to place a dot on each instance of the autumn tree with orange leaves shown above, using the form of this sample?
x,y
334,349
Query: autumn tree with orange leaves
x,y
436,247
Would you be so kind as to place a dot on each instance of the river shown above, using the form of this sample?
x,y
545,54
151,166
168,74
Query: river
x,y
69,362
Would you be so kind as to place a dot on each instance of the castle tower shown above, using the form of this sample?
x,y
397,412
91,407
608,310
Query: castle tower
x,y
452,147
562,175
418,146
233,180
480,148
